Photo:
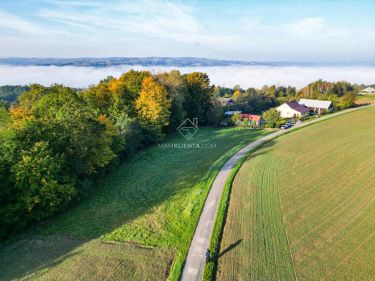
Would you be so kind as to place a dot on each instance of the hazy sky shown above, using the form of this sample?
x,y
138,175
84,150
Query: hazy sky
x,y
247,30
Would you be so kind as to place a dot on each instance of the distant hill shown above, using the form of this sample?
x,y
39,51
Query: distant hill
x,y
113,61
150,61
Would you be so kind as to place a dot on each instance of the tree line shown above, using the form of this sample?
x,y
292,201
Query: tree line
x,y
256,101
9,94
55,141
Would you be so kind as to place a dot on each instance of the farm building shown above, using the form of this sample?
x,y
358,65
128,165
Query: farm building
x,y
317,106
229,113
367,91
292,110
252,117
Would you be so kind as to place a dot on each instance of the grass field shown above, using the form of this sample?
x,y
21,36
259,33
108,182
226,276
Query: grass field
x,y
365,99
153,200
303,206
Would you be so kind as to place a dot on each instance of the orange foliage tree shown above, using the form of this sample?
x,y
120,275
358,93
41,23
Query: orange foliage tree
x,y
153,105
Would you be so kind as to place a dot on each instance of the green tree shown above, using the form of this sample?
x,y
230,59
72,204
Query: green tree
x,y
42,187
62,118
200,96
272,116
177,89
236,118
8,156
100,98
347,100
126,90
215,114
253,123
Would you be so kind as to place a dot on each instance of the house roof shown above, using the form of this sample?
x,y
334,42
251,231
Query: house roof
x,y
297,107
232,112
323,104
251,117
369,90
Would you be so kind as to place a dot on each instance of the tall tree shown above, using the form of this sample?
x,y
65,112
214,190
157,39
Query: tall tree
x,y
177,89
272,116
153,106
41,186
126,90
62,118
200,95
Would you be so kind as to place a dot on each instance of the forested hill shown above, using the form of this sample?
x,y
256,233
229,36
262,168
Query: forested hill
x,y
9,94
149,61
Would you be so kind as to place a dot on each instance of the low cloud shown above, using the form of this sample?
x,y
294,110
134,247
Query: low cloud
x,y
245,76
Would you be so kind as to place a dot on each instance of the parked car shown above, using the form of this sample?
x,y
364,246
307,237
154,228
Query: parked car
x,y
285,126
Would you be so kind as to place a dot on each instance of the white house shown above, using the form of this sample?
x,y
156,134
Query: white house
x,y
318,106
367,91
292,110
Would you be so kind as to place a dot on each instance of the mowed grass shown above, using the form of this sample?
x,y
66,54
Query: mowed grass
x,y
153,200
365,99
56,257
303,206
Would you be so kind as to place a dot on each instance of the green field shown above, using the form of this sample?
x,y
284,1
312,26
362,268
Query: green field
x,y
365,99
303,206
147,210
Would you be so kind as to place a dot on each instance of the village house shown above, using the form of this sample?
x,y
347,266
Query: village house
x,y
252,117
367,91
317,106
292,110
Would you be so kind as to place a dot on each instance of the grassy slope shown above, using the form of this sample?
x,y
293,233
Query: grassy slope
x,y
305,205
365,99
155,199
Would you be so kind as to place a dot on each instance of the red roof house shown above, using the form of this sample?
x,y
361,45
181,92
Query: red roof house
x,y
251,117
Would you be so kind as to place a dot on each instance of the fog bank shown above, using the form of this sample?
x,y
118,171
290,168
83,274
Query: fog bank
x,y
245,76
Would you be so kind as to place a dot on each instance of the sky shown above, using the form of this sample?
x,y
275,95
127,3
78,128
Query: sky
x,y
316,31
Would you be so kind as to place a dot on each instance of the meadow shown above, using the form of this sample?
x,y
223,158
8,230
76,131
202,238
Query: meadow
x,y
138,223
365,99
303,206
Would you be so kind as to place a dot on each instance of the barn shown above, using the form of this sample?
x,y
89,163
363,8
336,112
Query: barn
x,y
317,106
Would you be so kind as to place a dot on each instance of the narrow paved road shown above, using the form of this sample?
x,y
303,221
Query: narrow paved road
x,y
195,261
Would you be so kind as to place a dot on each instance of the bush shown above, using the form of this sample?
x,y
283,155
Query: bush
x,y
272,117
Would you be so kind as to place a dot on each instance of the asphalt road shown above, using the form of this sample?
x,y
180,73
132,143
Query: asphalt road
x,y
195,261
